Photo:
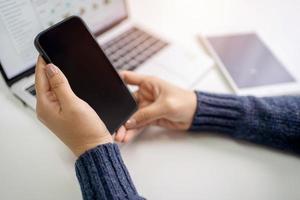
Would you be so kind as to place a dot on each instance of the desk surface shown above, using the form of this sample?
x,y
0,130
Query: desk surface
x,y
36,165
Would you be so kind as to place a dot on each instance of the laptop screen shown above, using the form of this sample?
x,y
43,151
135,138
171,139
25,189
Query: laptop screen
x,y
22,20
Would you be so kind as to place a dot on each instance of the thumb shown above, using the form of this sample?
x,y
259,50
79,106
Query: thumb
x,y
145,116
59,84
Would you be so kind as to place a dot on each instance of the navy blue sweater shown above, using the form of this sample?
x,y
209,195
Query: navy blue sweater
x,y
274,122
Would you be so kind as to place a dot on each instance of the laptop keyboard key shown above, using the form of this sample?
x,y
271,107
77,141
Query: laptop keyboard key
x,y
132,48
31,90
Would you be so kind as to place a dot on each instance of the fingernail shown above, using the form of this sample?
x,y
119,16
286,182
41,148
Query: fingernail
x,y
121,75
51,70
130,123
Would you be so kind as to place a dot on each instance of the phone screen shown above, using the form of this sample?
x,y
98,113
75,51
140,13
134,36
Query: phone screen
x,y
70,46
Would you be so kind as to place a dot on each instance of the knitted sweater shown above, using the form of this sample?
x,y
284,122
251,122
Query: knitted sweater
x,y
273,122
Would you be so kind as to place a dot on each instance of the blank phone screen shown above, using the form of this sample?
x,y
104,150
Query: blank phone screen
x,y
70,46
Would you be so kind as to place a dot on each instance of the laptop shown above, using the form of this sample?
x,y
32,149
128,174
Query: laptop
x,y
128,46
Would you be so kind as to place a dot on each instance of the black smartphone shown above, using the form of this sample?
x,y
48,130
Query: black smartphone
x,y
71,46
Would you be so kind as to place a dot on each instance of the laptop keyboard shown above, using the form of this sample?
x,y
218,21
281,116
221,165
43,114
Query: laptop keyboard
x,y
132,48
128,50
31,90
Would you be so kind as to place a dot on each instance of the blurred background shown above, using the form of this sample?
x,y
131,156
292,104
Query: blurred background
x,y
194,167
276,22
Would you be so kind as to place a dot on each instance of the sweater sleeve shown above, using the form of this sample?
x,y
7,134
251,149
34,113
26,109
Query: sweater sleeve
x,y
102,174
270,121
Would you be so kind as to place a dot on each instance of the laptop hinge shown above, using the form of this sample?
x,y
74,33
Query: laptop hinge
x,y
15,79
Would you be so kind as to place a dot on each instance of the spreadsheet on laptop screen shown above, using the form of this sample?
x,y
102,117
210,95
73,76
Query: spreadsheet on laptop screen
x,y
22,20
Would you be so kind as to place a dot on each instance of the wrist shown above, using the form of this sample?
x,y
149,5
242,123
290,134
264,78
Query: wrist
x,y
80,149
191,107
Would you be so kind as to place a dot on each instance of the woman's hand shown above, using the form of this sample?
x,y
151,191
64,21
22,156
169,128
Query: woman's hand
x,y
160,103
70,118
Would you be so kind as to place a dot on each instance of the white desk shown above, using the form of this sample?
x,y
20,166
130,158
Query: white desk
x,y
35,165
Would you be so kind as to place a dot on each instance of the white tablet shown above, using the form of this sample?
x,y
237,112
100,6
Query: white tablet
x,y
249,65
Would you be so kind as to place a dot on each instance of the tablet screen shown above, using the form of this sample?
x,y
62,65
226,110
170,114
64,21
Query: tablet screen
x,y
248,61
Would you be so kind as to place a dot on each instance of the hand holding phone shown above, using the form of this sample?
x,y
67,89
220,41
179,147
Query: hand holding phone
x,y
70,46
72,120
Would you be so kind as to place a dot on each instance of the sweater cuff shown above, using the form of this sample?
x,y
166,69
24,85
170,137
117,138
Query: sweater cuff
x,y
102,174
217,113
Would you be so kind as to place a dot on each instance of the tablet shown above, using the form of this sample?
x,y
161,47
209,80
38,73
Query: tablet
x,y
71,46
249,65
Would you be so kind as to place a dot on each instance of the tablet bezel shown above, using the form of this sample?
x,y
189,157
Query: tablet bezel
x,y
269,90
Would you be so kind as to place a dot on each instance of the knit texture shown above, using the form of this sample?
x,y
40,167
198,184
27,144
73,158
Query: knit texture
x,y
274,122
103,175
271,121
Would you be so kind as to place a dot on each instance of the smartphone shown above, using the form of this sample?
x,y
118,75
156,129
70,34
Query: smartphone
x,y
71,47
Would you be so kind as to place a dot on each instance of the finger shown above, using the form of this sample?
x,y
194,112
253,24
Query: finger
x,y
136,96
144,116
143,97
166,124
120,135
59,84
131,134
121,74
41,81
150,93
132,78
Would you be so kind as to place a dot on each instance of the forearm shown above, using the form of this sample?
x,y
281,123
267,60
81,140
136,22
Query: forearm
x,y
272,121
102,174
